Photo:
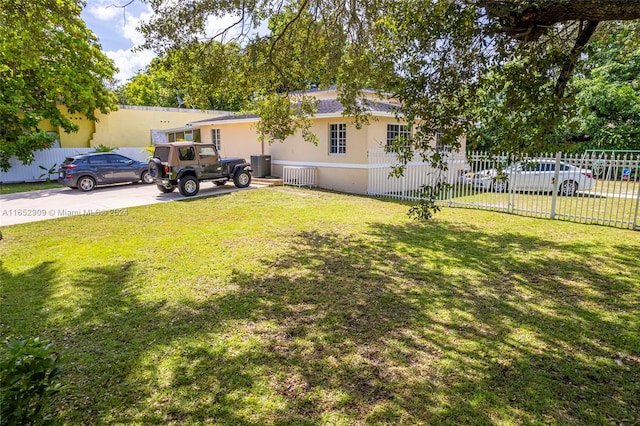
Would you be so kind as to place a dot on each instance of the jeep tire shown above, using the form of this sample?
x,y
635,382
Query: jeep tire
x,y
165,189
242,179
189,186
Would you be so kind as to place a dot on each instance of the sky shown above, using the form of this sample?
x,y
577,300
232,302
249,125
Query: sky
x,y
116,29
115,26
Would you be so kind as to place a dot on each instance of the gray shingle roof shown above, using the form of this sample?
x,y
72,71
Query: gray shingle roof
x,y
226,117
326,106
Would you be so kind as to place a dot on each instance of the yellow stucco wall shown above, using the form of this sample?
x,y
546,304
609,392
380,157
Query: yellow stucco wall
x,y
349,175
77,139
236,139
129,126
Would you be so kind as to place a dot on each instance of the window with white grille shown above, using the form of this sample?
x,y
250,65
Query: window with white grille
x,y
337,138
397,132
215,138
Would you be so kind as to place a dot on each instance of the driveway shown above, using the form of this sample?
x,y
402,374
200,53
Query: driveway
x,y
113,200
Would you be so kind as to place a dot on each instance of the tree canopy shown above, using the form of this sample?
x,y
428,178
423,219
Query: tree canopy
x,y
447,61
48,58
602,113
203,75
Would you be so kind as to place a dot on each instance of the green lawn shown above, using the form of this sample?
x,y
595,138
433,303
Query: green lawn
x,y
12,188
293,306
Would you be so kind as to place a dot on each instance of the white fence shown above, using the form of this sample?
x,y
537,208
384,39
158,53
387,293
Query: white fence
x,y
595,188
416,174
55,156
299,176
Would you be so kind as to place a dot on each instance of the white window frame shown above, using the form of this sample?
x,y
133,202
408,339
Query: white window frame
x,y
337,138
395,130
215,138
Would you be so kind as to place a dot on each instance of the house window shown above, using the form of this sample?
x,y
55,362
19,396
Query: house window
x,y
397,131
440,146
338,138
187,135
215,138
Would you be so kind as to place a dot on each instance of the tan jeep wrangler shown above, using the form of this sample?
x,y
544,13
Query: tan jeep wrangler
x,y
185,164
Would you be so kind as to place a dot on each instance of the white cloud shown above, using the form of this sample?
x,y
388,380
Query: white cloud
x,y
104,10
117,28
130,32
129,62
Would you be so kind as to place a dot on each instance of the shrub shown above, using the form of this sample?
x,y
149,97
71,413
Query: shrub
x,y
104,148
29,370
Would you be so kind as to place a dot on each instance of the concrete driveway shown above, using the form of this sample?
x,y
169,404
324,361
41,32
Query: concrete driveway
x,y
112,200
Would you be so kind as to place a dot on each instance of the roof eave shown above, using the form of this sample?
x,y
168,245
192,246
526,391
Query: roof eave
x,y
256,119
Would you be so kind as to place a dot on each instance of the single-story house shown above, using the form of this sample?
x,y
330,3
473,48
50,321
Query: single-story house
x,y
343,158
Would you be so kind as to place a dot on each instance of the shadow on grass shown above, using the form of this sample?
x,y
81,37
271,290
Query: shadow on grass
x,y
411,324
25,294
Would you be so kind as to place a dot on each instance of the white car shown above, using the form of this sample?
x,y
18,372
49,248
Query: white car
x,y
536,176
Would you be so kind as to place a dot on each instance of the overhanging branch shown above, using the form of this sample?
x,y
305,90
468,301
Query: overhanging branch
x,y
527,19
584,36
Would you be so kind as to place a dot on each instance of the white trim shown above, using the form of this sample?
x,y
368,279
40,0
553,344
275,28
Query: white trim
x,y
321,164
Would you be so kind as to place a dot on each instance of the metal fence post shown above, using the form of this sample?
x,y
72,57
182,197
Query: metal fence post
x,y
635,218
554,192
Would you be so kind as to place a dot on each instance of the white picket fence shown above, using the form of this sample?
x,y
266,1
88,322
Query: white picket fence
x,y
416,174
610,197
55,156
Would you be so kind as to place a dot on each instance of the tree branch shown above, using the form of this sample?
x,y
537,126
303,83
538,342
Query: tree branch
x,y
527,19
567,70
279,37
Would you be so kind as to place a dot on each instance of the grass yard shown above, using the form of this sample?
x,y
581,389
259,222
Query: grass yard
x,y
13,188
293,306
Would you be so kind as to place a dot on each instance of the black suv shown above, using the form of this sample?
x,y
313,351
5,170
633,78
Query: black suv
x,y
185,164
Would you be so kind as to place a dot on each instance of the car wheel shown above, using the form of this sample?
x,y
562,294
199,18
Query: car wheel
x,y
499,185
189,186
165,189
147,178
242,179
568,188
86,183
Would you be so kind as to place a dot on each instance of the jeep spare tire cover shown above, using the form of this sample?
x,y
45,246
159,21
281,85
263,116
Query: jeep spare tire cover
x,y
155,165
